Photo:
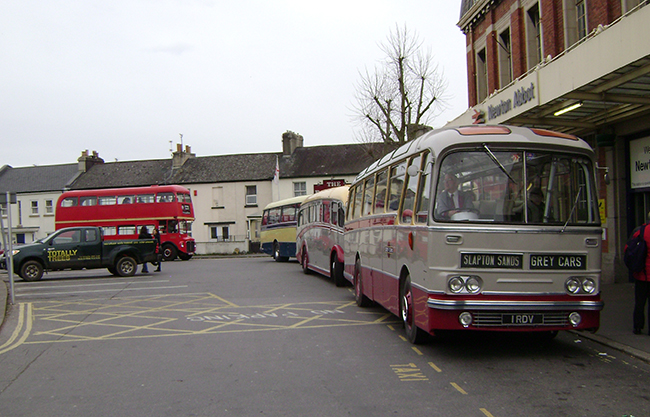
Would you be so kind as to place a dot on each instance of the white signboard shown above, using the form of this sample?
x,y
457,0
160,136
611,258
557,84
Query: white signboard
x,y
520,97
640,163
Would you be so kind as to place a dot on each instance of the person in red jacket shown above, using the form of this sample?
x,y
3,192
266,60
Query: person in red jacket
x,y
642,285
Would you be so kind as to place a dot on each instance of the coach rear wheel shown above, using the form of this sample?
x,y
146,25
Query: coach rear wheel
x,y
359,296
336,271
413,333
305,261
276,253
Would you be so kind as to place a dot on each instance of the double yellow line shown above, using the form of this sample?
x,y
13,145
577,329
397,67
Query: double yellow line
x,y
22,330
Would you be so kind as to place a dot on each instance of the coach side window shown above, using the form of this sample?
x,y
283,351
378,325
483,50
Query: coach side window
x,y
380,194
411,191
424,190
358,201
397,174
368,195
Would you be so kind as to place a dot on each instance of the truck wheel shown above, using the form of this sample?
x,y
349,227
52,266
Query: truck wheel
x,y
126,266
169,252
31,271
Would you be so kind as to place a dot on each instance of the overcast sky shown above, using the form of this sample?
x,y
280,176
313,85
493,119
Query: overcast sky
x,y
126,77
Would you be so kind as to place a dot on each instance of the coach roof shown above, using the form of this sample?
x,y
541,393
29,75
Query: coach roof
x,y
441,139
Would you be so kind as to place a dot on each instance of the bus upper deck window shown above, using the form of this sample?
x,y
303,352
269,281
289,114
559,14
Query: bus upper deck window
x,y
165,198
88,201
69,202
145,198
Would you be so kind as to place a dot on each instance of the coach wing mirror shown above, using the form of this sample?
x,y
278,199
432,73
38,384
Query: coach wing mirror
x,y
413,170
605,176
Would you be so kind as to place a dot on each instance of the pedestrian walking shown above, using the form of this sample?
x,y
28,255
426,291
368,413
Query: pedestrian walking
x,y
144,234
642,283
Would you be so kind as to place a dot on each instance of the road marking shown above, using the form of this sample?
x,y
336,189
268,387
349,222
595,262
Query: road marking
x,y
455,385
408,372
106,290
486,412
433,365
417,350
48,285
136,317
24,319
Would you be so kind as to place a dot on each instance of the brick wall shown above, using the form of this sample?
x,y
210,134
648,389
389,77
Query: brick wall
x,y
552,21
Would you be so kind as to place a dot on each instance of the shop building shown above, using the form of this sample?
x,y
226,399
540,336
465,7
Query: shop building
x,y
575,66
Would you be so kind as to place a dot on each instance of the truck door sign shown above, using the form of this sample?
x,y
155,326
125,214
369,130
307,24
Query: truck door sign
x,y
61,255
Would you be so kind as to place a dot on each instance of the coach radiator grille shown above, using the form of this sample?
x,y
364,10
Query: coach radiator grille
x,y
490,319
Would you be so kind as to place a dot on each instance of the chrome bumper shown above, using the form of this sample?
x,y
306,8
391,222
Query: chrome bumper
x,y
501,305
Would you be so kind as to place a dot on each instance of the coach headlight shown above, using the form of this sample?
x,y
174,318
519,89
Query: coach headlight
x,y
456,285
572,285
580,285
473,284
465,284
588,286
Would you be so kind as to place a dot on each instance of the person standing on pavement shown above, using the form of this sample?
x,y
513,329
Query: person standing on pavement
x,y
156,237
144,234
642,284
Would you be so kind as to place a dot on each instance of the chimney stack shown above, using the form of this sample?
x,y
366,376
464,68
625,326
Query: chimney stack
x,y
179,157
86,162
291,141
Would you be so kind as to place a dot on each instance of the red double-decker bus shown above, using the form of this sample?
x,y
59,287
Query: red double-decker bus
x,y
121,212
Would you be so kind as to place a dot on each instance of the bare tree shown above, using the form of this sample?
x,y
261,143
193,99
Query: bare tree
x,y
401,95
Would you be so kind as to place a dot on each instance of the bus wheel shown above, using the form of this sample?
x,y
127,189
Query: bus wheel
x,y
126,266
169,252
336,271
276,253
414,334
305,261
31,271
359,296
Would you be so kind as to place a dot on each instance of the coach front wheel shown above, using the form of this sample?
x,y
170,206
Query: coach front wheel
x,y
414,334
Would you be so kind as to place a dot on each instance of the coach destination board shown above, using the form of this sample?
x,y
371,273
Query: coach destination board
x,y
491,260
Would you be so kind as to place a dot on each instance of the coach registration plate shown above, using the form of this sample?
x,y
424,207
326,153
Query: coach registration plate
x,y
522,319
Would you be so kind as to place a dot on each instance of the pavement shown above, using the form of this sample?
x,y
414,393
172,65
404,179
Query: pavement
x,y
615,320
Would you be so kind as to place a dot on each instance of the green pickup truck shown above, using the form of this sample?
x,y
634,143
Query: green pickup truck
x,y
81,248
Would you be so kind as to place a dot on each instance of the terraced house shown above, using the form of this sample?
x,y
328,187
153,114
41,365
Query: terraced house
x,y
229,192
